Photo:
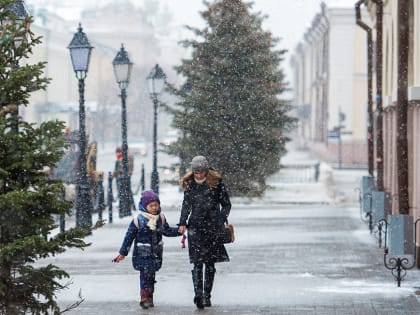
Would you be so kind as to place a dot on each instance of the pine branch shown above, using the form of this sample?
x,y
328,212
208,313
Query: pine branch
x,y
74,305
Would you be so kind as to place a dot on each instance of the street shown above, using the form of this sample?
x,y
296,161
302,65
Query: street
x,y
314,257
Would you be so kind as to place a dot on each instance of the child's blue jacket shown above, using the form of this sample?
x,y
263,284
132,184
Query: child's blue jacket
x,y
148,245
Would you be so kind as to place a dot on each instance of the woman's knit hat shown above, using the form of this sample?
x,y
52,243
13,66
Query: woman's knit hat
x,y
147,197
199,164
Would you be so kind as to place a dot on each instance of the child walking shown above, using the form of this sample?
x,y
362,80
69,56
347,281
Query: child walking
x,y
147,228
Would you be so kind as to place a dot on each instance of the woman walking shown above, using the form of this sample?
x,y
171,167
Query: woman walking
x,y
205,210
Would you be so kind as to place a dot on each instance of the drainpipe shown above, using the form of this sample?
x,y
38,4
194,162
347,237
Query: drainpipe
x,y
369,85
402,105
325,26
379,108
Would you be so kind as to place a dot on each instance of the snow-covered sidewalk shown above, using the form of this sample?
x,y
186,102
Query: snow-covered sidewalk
x,y
315,257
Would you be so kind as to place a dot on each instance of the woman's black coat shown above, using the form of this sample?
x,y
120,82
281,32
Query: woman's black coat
x,y
204,211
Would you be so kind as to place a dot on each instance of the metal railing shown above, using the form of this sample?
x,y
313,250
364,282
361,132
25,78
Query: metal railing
x,y
298,173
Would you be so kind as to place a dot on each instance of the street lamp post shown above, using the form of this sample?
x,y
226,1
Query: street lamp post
x,y
20,13
122,69
80,50
186,88
156,80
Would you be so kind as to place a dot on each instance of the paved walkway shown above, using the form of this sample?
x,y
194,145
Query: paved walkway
x,y
311,258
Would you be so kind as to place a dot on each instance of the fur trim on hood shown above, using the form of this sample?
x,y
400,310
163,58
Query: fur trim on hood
x,y
212,179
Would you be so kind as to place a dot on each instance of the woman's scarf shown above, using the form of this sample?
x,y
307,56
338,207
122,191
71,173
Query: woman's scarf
x,y
200,181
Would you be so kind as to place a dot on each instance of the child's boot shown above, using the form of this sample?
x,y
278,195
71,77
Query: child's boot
x,y
150,296
144,302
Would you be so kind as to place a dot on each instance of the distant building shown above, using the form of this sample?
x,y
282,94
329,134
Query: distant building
x,y
107,26
329,74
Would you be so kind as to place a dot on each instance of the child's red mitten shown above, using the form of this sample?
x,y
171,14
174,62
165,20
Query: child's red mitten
x,y
183,241
118,258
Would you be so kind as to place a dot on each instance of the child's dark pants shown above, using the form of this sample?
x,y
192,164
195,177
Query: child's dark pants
x,y
147,287
147,278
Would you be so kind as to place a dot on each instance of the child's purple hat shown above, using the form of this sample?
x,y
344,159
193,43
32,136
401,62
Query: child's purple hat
x,y
147,197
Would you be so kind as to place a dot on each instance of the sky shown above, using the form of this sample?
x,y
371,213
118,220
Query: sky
x,y
287,20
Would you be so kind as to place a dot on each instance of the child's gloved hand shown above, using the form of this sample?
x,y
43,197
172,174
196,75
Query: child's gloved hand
x,y
118,258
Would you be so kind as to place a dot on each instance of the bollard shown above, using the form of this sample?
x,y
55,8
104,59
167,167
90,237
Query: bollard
x,y
133,203
63,216
100,196
62,222
110,198
316,175
142,178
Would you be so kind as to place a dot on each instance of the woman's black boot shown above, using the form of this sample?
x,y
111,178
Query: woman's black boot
x,y
208,284
197,276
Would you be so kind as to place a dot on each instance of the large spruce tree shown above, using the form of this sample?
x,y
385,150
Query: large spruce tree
x,y
230,108
29,199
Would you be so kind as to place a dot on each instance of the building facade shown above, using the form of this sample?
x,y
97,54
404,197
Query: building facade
x,y
399,30
329,71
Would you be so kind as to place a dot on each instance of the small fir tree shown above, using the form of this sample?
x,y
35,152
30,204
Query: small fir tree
x,y
230,110
29,199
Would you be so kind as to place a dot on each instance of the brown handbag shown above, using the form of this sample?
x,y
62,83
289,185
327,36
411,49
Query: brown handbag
x,y
229,236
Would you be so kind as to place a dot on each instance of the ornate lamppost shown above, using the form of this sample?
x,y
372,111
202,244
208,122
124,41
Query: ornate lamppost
x,y
19,15
122,69
156,80
186,88
80,50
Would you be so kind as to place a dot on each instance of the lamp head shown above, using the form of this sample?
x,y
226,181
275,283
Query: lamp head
x,y
156,80
19,14
80,50
122,68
